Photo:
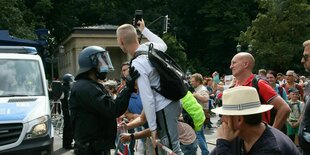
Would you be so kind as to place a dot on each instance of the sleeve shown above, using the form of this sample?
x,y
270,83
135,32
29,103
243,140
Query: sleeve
x,y
266,91
146,94
102,104
157,41
223,147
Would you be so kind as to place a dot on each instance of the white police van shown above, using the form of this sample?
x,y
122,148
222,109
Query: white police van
x,y
25,119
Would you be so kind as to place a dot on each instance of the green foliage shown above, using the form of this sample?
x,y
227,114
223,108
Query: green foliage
x,y
176,51
202,35
208,30
12,15
278,32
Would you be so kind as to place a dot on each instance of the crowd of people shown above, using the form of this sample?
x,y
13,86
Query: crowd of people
x,y
263,113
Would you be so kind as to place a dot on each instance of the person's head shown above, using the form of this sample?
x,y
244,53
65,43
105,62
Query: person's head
x,y
293,94
96,61
208,81
262,73
271,76
280,77
127,38
290,76
242,63
305,60
125,69
241,105
68,79
196,80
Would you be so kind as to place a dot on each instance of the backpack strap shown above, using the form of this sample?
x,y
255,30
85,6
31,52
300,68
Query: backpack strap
x,y
138,53
151,46
298,106
255,85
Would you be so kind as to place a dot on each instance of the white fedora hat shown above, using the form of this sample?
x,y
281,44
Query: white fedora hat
x,y
242,100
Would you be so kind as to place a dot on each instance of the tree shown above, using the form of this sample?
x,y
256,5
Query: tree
x,y
205,31
13,18
176,51
208,30
277,33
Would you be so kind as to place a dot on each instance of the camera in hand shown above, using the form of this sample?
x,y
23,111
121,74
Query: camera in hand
x,y
138,16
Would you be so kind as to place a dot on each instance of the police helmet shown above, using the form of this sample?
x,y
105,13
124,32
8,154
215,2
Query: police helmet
x,y
67,78
91,56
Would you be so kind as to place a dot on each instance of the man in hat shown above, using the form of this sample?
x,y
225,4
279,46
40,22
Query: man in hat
x,y
242,120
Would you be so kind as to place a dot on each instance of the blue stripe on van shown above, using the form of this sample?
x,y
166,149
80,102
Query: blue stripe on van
x,y
15,111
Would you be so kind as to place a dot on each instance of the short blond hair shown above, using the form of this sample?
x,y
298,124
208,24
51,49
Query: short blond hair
x,y
262,71
128,33
306,43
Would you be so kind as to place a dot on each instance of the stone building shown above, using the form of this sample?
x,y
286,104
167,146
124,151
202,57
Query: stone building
x,y
81,37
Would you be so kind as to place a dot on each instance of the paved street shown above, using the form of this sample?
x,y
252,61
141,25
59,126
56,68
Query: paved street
x,y
209,133
58,150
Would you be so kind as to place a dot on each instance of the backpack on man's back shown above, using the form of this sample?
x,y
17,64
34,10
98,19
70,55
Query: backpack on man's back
x,y
172,77
273,111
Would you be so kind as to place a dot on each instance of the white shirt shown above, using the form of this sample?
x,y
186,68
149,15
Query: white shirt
x,y
203,91
149,77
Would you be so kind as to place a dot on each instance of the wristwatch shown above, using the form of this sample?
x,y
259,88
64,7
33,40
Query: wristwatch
x,y
132,136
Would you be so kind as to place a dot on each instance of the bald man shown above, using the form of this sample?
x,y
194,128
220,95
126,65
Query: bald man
x,y
241,66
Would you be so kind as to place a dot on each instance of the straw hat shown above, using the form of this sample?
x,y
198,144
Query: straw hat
x,y
242,100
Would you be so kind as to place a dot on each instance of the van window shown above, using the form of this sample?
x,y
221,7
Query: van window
x,y
20,78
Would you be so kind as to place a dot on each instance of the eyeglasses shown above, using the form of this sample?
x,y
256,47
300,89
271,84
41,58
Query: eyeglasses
x,y
305,56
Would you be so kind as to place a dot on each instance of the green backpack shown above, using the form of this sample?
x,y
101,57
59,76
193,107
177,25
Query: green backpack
x,y
194,115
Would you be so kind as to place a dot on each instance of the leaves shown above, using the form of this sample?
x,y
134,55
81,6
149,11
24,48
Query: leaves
x,y
202,35
277,34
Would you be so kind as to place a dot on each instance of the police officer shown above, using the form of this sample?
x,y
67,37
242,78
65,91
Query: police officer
x,y
93,111
67,81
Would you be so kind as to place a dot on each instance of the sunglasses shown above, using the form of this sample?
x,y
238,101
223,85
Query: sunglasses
x,y
305,56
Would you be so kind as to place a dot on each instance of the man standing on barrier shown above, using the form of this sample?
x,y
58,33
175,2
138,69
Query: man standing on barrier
x,y
161,113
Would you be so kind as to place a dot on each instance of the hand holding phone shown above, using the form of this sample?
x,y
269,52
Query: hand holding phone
x,y
138,16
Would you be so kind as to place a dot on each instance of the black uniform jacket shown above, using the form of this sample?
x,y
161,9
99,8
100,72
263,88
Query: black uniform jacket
x,y
94,113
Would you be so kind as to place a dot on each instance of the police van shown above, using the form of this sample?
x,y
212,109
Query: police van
x,y
25,119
